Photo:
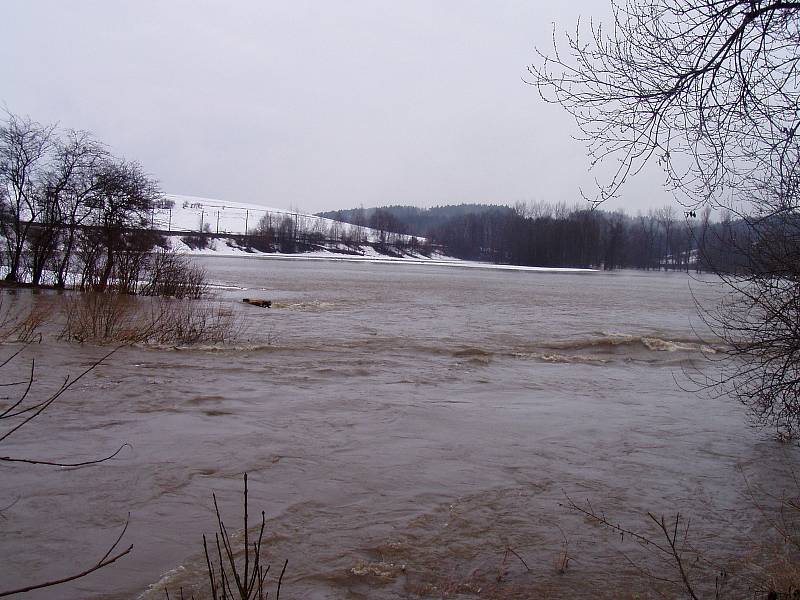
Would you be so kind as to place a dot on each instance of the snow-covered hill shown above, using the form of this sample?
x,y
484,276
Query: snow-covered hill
x,y
191,213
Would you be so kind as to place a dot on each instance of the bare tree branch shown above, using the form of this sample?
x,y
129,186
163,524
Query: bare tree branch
x,y
107,559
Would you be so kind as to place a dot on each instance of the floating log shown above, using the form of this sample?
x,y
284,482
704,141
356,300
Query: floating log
x,y
258,302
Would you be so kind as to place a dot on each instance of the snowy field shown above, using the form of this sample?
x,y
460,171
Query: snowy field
x,y
191,213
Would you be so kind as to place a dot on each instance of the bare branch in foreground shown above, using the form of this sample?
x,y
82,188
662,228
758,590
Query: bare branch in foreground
x,y
107,559
675,539
60,464
26,414
229,581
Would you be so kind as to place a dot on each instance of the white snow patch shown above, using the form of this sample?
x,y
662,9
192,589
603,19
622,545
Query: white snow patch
x,y
220,247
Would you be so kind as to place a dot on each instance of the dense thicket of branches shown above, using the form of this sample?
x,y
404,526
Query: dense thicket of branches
x,y
68,206
710,90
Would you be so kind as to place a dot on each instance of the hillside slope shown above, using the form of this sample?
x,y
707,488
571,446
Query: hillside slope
x,y
194,214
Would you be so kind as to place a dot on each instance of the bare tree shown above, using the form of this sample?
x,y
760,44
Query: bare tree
x,y
666,219
124,202
708,89
705,226
77,184
42,239
24,154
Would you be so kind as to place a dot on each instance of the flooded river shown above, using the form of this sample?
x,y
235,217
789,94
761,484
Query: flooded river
x,y
402,426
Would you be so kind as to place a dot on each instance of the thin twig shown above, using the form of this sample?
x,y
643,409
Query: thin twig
x,y
106,560
60,464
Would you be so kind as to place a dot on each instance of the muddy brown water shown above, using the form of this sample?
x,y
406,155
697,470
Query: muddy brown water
x,y
402,427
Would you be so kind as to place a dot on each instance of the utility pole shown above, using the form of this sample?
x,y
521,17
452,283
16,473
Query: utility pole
x,y
217,222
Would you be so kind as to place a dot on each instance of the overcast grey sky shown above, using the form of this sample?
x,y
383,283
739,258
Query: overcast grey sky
x,y
311,105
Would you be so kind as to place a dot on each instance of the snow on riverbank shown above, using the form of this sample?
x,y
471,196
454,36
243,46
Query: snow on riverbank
x,y
228,248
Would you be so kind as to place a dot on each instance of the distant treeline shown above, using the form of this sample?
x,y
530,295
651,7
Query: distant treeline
x,y
410,220
555,235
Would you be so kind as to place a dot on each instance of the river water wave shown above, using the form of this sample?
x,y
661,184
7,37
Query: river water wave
x,y
402,427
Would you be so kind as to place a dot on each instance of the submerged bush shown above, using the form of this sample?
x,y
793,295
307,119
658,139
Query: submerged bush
x,y
112,317
172,310
191,321
171,274
21,320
